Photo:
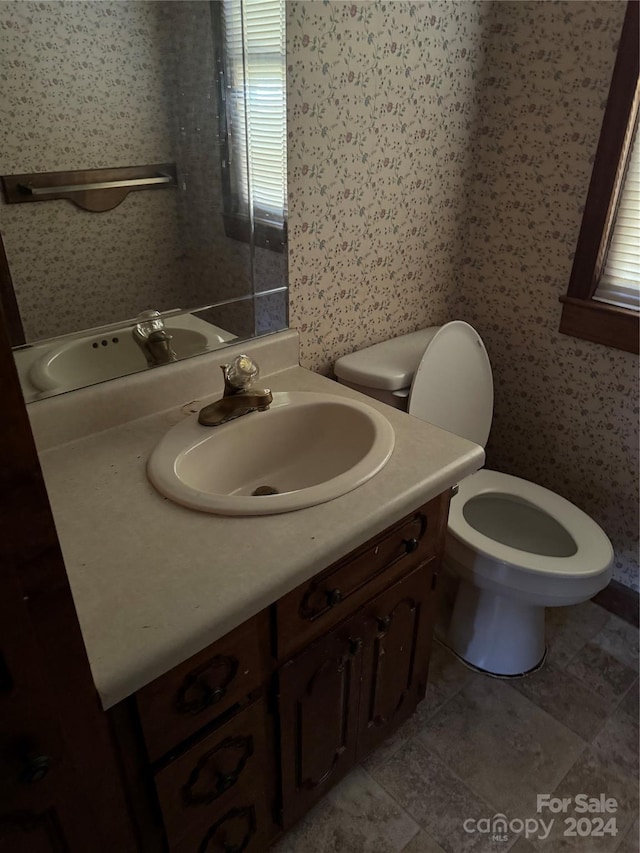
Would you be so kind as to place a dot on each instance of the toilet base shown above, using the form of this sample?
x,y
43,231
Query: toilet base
x,y
495,633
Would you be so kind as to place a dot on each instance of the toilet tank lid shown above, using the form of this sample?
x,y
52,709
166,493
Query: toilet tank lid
x,y
387,366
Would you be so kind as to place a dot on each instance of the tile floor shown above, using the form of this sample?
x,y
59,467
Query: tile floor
x,y
479,746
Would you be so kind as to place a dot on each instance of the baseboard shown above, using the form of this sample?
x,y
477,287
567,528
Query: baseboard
x,y
621,600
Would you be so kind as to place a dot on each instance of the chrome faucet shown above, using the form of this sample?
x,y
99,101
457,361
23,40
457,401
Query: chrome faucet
x,y
239,397
153,339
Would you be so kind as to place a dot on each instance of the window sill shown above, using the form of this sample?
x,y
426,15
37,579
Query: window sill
x,y
600,323
264,236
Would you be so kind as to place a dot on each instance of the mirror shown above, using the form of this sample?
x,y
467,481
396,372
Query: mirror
x,y
144,168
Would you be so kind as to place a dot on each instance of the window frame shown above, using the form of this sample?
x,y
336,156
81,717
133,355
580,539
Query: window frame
x,y
582,315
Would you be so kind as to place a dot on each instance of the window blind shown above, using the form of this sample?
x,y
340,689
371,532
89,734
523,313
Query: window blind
x,y
254,40
620,280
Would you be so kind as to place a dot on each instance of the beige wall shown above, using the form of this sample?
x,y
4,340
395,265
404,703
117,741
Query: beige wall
x,y
440,155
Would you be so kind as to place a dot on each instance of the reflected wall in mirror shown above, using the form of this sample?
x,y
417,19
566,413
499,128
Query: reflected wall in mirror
x,y
109,84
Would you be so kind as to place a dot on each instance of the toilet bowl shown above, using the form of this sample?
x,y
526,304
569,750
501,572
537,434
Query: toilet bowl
x,y
515,547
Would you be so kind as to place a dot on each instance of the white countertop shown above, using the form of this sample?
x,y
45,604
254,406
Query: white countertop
x,y
155,583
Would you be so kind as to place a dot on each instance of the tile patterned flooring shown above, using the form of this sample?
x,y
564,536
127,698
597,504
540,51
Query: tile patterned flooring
x,y
478,746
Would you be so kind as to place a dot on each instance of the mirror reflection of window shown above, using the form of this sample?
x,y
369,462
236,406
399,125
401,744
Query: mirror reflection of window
x,y
254,128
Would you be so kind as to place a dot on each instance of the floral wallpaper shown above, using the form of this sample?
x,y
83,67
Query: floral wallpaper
x,y
63,68
439,159
382,98
566,410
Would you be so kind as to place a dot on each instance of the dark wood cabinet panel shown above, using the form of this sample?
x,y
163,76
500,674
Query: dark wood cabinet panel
x,y
351,689
244,827
196,789
315,607
32,833
178,704
59,778
398,629
319,692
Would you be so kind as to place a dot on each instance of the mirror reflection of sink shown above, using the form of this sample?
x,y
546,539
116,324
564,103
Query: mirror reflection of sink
x,y
107,354
307,449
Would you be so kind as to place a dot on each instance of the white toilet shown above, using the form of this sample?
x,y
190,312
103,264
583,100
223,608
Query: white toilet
x,y
516,547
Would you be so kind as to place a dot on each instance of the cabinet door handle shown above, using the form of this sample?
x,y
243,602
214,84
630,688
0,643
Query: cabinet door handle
x,y
247,815
334,596
199,790
35,769
411,545
225,782
355,645
197,693
383,623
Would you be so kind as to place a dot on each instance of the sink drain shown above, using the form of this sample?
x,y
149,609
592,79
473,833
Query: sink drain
x,y
265,490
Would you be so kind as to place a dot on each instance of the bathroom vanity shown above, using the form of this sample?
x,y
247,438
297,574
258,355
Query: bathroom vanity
x,y
245,663
243,738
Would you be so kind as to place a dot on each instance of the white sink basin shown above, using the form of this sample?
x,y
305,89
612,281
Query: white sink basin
x,y
309,447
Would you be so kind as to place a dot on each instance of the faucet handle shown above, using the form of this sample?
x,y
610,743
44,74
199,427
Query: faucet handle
x,y
153,338
241,373
148,322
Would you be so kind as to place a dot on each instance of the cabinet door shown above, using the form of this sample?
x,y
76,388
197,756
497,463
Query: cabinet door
x,y
398,626
319,692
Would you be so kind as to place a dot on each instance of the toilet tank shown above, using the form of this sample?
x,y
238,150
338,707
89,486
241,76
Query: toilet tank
x,y
385,371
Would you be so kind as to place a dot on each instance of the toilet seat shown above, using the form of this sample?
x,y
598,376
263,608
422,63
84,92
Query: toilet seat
x,y
587,535
547,581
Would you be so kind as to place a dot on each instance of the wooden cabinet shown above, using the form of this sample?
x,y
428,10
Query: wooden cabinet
x,y
352,688
243,827
318,710
191,695
313,608
316,680
210,745
398,626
